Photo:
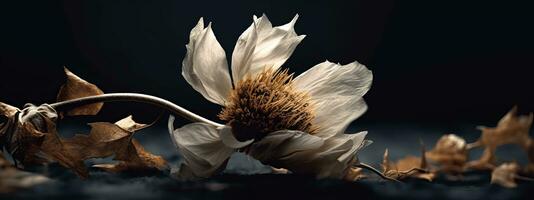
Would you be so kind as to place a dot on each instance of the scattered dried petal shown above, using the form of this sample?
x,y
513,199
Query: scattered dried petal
x,y
74,88
511,129
408,167
505,175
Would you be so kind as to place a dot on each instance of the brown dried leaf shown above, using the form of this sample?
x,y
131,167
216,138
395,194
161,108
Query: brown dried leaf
x,y
12,179
7,118
505,175
135,158
106,139
450,152
511,129
408,167
74,88
31,138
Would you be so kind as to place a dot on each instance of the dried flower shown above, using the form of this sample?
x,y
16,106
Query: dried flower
x,y
297,124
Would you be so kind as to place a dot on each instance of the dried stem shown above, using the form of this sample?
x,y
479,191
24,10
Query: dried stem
x,y
374,170
135,97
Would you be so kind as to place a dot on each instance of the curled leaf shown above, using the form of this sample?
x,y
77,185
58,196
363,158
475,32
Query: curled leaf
x,y
511,129
107,139
74,88
408,167
450,152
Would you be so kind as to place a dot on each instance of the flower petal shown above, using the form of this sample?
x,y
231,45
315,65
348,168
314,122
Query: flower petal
x,y
205,67
282,144
201,147
336,91
309,154
229,140
262,46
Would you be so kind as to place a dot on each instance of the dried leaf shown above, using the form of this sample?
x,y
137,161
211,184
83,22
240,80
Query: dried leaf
x,y
106,139
505,175
7,118
408,167
30,136
12,179
136,158
450,152
511,129
74,88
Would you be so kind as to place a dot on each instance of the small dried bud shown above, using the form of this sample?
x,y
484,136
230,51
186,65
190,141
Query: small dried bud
x,y
450,143
451,152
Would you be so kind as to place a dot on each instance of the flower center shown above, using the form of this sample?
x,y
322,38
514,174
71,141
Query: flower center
x,y
265,103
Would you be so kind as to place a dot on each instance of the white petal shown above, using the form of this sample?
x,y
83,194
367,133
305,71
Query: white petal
x,y
322,157
337,91
280,144
205,67
262,46
229,140
202,149
358,142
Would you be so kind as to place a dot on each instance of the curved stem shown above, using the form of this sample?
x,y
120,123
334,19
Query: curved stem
x,y
374,170
135,97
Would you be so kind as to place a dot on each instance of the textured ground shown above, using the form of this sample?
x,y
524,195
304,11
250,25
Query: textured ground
x,y
247,178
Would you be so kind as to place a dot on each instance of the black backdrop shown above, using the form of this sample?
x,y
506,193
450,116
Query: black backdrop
x,y
443,62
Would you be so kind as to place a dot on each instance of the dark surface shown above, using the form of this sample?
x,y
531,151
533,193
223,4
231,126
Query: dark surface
x,y
246,178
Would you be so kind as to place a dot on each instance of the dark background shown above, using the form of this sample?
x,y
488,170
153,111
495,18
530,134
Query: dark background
x,y
433,62
439,67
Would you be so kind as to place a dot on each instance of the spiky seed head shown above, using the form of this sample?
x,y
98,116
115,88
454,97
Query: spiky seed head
x,y
265,103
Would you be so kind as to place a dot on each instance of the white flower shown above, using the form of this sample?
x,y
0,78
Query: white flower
x,y
297,124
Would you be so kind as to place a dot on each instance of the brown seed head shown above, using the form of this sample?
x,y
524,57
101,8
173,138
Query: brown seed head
x,y
265,103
